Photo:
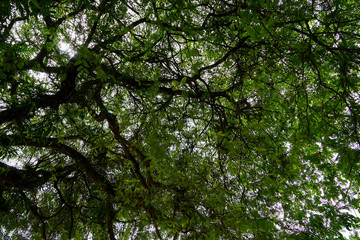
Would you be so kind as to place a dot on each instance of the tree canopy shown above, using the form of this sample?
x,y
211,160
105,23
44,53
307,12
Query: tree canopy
x,y
179,119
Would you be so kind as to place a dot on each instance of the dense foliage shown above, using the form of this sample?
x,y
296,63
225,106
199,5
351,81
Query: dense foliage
x,y
179,119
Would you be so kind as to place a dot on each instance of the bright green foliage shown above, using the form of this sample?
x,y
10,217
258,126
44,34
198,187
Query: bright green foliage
x,y
179,119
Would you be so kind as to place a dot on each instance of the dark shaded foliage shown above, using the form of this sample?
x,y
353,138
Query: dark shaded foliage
x,y
179,119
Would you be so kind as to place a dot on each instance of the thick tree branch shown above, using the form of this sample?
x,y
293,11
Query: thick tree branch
x,y
12,177
85,165
80,160
65,93
110,219
111,119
